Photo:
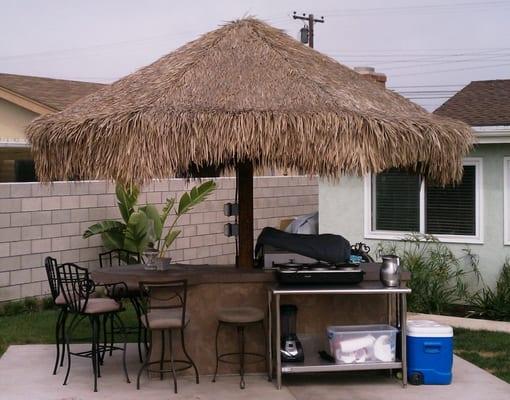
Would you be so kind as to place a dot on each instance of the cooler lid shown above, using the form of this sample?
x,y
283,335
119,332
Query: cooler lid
x,y
428,328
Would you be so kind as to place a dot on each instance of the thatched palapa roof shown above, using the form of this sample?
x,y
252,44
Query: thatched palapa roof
x,y
246,91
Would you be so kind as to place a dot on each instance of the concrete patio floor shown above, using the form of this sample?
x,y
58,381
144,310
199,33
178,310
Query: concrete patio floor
x,y
25,373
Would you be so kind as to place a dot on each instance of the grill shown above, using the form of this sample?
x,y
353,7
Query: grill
x,y
292,273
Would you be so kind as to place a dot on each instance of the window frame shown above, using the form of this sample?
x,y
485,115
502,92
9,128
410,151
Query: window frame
x,y
506,201
477,162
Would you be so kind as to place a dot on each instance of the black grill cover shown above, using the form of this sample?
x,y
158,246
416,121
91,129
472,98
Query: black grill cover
x,y
334,249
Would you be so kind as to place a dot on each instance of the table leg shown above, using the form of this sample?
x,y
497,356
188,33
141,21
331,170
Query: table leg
x,y
269,338
277,344
403,330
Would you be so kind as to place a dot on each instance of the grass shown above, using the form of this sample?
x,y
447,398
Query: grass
x,y
39,327
488,350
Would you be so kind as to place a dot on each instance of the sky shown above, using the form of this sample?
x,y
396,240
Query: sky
x,y
429,49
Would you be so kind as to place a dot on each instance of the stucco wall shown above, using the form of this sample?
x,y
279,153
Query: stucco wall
x,y
13,120
341,211
38,220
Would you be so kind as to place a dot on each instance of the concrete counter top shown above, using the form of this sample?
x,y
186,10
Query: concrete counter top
x,y
205,274
195,274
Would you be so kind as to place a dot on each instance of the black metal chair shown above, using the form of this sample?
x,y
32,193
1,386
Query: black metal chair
x,y
165,311
239,318
51,265
76,287
120,257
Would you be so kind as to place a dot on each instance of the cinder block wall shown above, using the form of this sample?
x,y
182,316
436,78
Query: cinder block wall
x,y
37,220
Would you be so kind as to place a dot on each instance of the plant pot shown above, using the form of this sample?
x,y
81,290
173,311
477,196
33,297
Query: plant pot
x,y
163,262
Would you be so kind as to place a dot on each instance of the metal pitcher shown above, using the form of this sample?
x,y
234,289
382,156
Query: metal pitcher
x,y
390,270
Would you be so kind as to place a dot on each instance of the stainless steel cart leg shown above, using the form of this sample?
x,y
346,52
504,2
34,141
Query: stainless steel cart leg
x,y
269,338
277,343
389,300
403,330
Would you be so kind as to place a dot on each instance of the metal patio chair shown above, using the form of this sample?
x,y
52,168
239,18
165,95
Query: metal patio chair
x,y
76,287
51,265
121,257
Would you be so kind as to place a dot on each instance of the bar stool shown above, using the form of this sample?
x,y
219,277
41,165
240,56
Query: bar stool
x,y
239,318
165,312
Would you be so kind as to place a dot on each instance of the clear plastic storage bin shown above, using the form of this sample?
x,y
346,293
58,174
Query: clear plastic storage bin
x,y
362,343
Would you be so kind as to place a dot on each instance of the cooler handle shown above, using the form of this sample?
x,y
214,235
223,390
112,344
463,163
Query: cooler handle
x,y
432,347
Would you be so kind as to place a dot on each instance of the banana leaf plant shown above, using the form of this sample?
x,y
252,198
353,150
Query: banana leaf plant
x,y
144,226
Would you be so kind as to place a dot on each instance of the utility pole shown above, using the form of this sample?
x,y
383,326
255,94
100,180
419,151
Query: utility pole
x,y
307,34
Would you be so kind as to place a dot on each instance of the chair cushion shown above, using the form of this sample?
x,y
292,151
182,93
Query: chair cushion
x,y
61,300
101,306
241,315
164,319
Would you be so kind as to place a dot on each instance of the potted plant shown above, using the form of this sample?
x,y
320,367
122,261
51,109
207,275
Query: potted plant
x,y
143,227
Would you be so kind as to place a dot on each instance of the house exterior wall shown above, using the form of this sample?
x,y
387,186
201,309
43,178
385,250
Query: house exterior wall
x,y
38,220
341,211
13,120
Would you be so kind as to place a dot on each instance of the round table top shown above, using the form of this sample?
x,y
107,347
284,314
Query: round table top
x,y
194,274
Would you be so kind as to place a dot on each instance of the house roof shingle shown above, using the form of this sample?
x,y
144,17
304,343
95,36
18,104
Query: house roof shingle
x,y
481,103
55,93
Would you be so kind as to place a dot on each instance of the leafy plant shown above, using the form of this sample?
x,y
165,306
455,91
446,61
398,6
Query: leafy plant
x,y
143,226
438,276
494,304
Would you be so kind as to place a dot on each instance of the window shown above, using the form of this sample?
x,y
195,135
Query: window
x,y
397,203
506,199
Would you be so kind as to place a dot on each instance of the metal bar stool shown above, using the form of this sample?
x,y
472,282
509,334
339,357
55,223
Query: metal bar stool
x,y
165,312
239,318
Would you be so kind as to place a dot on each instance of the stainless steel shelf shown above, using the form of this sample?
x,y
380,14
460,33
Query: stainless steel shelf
x,y
313,362
293,368
365,287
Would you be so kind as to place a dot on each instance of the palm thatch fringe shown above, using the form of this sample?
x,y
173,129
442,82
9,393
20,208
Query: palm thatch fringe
x,y
245,91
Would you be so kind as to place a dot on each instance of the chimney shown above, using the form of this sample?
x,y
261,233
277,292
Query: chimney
x,y
369,73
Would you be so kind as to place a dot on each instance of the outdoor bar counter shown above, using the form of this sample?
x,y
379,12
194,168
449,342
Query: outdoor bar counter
x,y
211,287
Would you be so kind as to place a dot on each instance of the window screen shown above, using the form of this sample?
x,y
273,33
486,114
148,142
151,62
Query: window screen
x,y
452,210
396,204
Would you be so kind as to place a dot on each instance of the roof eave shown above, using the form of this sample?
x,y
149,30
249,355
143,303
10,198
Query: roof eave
x,y
25,102
492,134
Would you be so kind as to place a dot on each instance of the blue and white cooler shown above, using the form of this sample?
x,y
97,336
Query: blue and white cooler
x,y
429,353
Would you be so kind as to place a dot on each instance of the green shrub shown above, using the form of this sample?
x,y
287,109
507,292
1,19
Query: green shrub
x,y
438,276
30,304
494,304
13,308
47,303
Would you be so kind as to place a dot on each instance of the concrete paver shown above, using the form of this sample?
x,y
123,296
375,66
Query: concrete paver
x,y
25,373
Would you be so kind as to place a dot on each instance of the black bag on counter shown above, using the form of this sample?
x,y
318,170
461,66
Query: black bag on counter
x,y
334,249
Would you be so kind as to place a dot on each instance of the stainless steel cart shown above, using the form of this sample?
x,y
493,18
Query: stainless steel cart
x,y
313,363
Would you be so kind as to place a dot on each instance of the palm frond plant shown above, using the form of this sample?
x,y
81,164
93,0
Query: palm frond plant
x,y
133,232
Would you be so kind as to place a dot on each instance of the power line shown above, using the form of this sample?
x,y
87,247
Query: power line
x,y
452,70
423,8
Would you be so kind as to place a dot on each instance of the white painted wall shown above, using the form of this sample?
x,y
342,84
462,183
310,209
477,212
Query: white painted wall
x,y
13,120
341,211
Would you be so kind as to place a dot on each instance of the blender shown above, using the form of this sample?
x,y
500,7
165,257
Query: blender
x,y
291,349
